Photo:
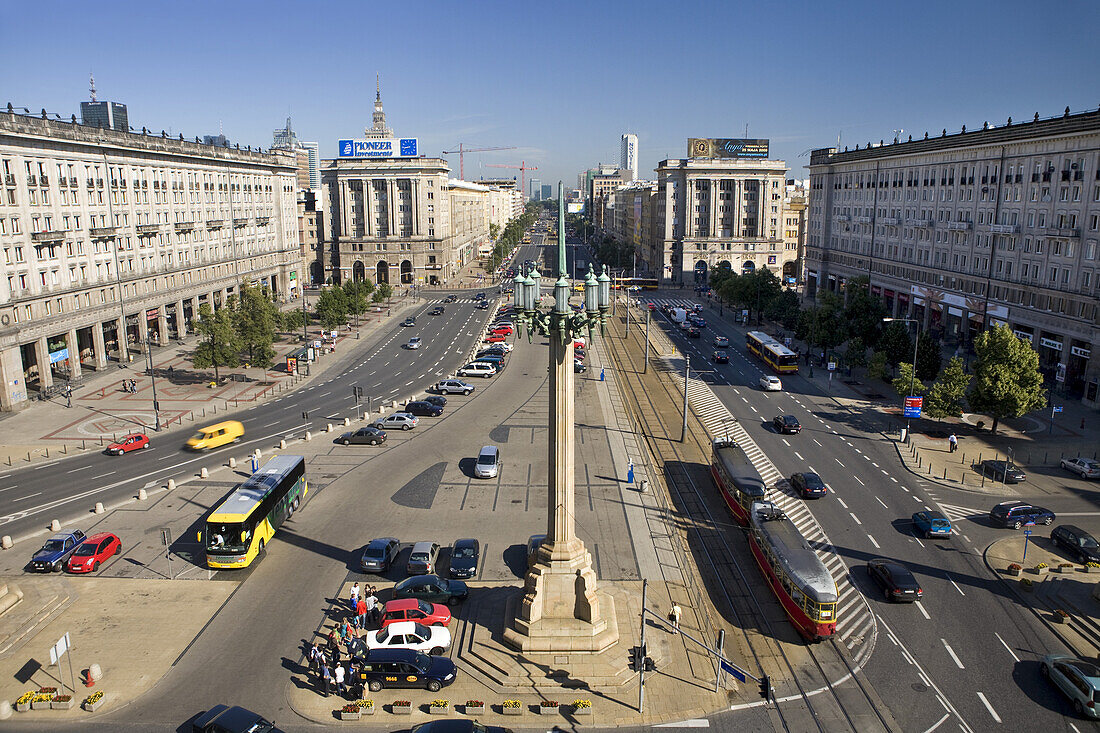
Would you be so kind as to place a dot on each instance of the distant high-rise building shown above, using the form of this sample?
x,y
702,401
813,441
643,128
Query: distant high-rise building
x,y
285,139
111,115
308,154
218,141
628,155
536,188
314,151
547,192
378,130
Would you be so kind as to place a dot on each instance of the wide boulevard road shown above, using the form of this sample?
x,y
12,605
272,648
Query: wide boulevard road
x,y
966,657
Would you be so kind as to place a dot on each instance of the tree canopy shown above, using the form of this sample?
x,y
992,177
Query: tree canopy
x,y
1007,381
948,394
218,346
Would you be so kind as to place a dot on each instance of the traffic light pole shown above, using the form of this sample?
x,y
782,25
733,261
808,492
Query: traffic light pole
x,y
641,665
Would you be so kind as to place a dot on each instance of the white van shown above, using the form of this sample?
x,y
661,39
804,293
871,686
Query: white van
x,y
678,315
488,462
477,369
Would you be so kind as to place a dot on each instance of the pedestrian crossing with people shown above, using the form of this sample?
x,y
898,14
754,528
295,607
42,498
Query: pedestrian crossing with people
x,y
856,626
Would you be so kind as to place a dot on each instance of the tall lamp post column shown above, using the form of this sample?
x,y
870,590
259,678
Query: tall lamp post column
x,y
561,609
153,379
913,374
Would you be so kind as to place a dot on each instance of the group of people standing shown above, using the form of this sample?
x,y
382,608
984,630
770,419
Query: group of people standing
x,y
326,661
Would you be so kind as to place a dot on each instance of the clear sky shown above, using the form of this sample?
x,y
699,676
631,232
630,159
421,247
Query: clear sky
x,y
560,81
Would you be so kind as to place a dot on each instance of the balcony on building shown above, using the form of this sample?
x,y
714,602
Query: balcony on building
x,y
1004,228
147,228
54,235
185,226
958,226
890,221
103,232
240,221
843,217
215,224
262,220
922,222
863,220
1062,232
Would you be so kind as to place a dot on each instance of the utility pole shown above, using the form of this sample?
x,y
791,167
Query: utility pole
x,y
641,643
687,371
153,378
645,366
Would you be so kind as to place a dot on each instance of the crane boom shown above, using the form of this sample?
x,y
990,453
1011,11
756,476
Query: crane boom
x,y
461,156
522,168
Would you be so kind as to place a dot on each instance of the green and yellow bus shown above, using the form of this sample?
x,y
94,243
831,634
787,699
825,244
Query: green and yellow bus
x,y
241,526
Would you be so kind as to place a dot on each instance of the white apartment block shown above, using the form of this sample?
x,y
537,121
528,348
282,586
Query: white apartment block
x,y
113,240
992,226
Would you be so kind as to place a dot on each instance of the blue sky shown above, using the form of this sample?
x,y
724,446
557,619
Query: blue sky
x,y
562,81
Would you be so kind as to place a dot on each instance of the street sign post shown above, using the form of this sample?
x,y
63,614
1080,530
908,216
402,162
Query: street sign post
x,y
1027,534
913,406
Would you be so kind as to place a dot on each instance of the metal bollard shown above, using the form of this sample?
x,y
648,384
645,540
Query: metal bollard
x,y
6,542
309,436
282,445
171,484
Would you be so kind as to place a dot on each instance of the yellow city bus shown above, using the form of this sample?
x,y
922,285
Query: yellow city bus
x,y
241,526
774,354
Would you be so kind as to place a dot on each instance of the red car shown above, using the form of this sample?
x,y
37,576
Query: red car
x,y
496,338
133,441
652,306
412,609
95,550
501,330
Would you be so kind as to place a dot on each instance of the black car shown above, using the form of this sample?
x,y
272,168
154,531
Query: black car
x,y
405,668
437,311
379,554
450,299
225,719
458,725
465,555
808,484
482,305
479,296
369,435
694,332
1016,514
579,367
1079,544
422,408
496,360
410,321
786,424
721,357
895,579
436,399
433,589
1004,471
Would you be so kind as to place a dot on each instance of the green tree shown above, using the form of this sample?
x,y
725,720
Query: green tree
x,y
290,320
332,307
217,347
822,325
906,383
877,368
784,309
254,322
929,357
948,393
863,313
356,294
385,290
494,230
856,352
894,341
1007,381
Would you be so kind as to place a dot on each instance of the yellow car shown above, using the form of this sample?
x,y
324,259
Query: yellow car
x,y
215,436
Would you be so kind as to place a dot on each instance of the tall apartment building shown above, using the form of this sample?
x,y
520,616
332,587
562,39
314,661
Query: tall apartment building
x,y
984,227
721,207
628,155
795,197
112,239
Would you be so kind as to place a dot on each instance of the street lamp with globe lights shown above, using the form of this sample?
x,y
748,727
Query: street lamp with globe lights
x,y
912,374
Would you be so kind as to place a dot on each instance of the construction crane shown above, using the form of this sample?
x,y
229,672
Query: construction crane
x,y
522,168
461,159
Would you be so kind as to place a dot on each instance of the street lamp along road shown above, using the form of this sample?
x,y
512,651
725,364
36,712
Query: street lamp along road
x,y
561,609
912,374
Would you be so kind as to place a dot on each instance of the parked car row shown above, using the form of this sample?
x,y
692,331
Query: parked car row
x,y
380,554
75,552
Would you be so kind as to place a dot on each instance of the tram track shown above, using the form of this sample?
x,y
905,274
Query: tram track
x,y
820,699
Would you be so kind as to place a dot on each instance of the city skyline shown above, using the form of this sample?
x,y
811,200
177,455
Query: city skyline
x,y
820,76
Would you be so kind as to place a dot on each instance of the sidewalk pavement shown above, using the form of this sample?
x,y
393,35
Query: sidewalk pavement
x,y
1063,595
102,410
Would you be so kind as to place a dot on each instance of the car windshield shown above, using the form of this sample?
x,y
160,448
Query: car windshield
x,y
88,548
486,459
53,546
940,523
425,607
422,661
374,553
813,480
422,631
383,634
463,552
419,557
1087,541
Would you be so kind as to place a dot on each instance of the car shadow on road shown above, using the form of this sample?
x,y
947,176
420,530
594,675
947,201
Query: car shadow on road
x,y
1039,690
515,558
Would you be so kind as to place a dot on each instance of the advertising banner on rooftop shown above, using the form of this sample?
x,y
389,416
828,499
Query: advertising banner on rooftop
x,y
383,148
711,147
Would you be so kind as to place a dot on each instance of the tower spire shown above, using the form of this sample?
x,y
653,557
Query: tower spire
x,y
91,81
378,129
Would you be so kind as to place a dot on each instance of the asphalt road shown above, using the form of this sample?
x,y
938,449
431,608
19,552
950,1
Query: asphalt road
x,y
385,371
966,656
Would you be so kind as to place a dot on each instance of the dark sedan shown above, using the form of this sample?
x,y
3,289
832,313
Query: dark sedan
x,y
436,399
450,299
897,582
424,408
225,719
379,554
721,357
1016,514
432,588
693,332
786,424
1004,471
363,436
465,555
1078,544
808,485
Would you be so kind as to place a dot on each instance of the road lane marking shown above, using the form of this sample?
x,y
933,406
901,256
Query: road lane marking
x,y
880,501
853,516
842,502
860,482
109,473
938,723
960,590
990,708
1006,646
955,657
873,542
28,496
920,607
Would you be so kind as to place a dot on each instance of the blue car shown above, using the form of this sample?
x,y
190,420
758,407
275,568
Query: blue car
x,y
697,321
932,524
56,550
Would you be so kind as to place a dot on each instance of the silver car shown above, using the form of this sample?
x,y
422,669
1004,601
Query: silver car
x,y
379,554
398,420
1084,467
452,386
1077,679
422,559
488,462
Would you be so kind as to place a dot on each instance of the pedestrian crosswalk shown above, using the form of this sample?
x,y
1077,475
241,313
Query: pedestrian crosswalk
x,y
856,626
957,513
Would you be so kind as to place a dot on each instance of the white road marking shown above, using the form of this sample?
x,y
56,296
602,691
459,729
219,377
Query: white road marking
x,y
873,542
1006,646
860,482
938,723
960,590
28,496
954,656
853,516
880,501
796,455
918,541
920,607
990,708
841,501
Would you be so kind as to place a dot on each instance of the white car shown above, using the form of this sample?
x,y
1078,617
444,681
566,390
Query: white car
x,y
414,343
769,383
398,421
453,386
410,635
477,369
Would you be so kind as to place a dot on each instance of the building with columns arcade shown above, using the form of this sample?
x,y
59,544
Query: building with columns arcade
x,y
112,239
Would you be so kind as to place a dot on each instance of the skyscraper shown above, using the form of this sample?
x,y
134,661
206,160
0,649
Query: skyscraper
x,y
111,115
536,189
547,192
628,155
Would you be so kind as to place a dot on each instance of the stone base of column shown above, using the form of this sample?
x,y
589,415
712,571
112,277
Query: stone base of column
x,y
562,610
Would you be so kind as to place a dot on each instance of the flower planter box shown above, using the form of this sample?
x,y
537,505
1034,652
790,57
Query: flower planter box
x,y
367,710
438,709
402,709
1064,568
582,711
1014,572
1061,619
91,707
1041,571
1090,569
547,709
22,707
62,704
513,711
344,715
474,709
40,705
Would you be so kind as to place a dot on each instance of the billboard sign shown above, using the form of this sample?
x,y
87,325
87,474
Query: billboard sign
x,y
913,406
384,148
710,147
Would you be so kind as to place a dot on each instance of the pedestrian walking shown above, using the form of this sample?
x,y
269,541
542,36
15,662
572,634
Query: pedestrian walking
x,y
333,646
371,603
68,396
326,677
953,442
674,616
361,614
354,596
315,658
340,689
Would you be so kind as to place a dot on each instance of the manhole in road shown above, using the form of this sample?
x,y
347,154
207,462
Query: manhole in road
x,y
920,687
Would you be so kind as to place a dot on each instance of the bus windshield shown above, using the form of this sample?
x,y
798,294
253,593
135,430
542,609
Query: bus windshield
x,y
225,538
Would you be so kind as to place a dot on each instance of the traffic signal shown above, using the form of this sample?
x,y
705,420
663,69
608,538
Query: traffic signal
x,y
650,665
635,658
766,687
